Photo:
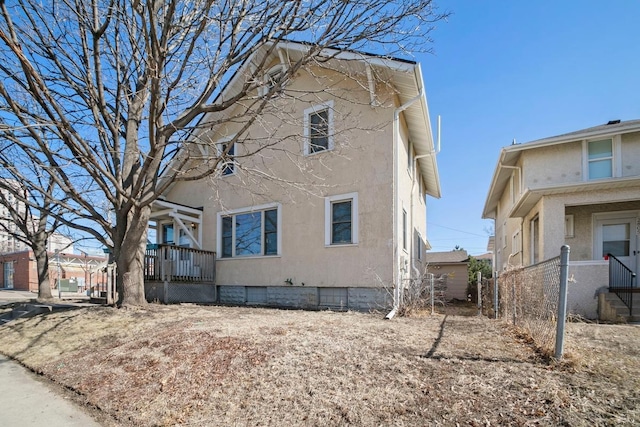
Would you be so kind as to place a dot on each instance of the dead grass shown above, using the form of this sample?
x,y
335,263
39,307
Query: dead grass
x,y
202,366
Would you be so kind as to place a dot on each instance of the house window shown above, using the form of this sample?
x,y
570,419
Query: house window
x,y
318,128
271,79
341,219
252,232
616,239
535,240
167,234
419,246
227,153
404,229
600,159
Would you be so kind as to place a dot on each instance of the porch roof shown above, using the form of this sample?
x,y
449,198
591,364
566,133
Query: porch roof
x,y
185,217
530,197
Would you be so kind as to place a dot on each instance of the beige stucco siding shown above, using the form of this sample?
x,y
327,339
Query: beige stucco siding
x,y
557,164
630,149
361,162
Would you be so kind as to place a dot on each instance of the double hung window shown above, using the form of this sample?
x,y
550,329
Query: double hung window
x,y
341,219
600,159
227,153
253,232
318,128
271,78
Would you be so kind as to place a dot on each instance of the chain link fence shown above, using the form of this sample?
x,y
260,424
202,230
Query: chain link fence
x,y
528,298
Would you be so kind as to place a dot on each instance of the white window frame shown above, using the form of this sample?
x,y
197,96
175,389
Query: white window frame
x,y
419,246
405,230
328,203
248,210
328,105
616,156
267,78
568,226
233,163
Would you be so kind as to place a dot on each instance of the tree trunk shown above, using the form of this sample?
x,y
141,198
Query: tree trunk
x,y
130,259
42,267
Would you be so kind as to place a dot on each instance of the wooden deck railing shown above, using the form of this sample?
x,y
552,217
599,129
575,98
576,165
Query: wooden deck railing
x,y
179,264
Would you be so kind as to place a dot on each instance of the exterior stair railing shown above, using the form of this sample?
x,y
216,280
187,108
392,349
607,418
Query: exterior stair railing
x,y
622,282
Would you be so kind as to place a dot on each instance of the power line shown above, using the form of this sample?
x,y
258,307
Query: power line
x,y
459,231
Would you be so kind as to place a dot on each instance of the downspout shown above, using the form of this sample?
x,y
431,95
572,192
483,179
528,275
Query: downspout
x,y
396,138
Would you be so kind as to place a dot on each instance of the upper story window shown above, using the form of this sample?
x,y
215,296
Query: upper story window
x,y
227,153
318,128
600,159
252,232
271,78
341,219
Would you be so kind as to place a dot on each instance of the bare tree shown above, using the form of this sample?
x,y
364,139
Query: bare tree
x,y
25,220
123,84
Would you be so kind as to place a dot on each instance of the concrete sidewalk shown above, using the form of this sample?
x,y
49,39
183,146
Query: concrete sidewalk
x,y
27,401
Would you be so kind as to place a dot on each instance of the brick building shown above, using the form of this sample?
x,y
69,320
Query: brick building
x,y
19,270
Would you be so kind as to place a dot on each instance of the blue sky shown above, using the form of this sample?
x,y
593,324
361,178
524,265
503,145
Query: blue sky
x,y
519,69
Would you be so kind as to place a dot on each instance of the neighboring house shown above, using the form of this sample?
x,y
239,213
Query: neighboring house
x,y
19,270
581,189
452,266
331,216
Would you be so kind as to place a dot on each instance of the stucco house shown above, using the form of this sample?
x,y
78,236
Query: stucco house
x,y
331,212
581,189
452,266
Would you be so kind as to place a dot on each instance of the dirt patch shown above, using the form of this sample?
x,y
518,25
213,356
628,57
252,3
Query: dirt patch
x,y
178,365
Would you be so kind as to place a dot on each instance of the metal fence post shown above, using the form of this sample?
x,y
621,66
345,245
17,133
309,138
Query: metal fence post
x,y
495,294
479,277
432,284
562,300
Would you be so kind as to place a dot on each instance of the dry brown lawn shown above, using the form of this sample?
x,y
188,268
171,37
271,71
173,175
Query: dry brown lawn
x,y
210,366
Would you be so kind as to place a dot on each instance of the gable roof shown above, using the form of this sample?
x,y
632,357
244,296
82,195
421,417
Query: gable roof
x,y
405,76
450,257
510,155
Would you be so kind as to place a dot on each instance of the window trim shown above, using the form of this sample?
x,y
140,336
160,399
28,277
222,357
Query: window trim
x,y
328,203
232,164
328,105
419,246
248,210
266,78
616,157
405,227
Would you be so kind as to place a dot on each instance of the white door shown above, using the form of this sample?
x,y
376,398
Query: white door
x,y
617,234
